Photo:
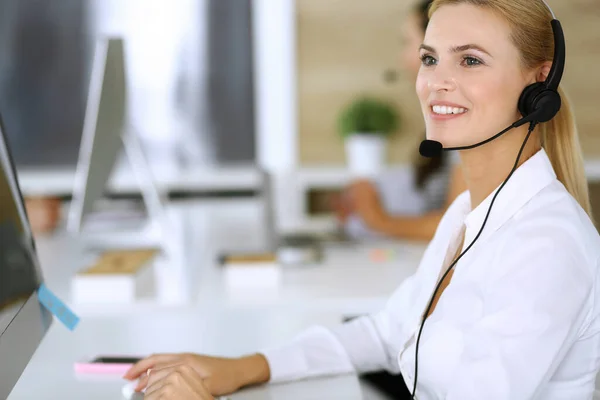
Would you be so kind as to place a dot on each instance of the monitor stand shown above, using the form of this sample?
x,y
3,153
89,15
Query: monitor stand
x,y
154,231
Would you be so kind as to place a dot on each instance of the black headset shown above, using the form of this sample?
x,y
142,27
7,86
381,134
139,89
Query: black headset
x,y
539,102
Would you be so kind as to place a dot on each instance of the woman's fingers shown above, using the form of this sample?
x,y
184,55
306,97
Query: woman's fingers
x,y
154,391
144,365
155,375
176,382
142,383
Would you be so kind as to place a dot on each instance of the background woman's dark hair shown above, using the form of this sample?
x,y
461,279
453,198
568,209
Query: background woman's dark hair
x,y
422,10
425,167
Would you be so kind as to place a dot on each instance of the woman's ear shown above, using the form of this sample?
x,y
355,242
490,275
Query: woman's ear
x,y
544,71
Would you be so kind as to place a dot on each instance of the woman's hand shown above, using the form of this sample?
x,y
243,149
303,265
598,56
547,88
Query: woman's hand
x,y
365,203
341,206
43,213
220,375
180,382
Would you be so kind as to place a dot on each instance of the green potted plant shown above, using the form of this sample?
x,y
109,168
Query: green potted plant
x,y
365,125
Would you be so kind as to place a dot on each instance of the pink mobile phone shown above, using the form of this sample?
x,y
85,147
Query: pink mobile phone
x,y
113,365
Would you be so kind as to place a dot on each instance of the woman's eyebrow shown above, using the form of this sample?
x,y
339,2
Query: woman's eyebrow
x,y
427,48
471,46
457,49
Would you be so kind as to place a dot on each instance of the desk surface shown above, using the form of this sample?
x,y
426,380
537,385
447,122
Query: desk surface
x,y
50,374
210,320
347,279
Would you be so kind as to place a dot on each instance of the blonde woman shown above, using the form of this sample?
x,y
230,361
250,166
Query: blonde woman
x,y
519,316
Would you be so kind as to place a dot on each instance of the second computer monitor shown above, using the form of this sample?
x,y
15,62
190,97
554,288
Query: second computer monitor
x,y
104,125
106,135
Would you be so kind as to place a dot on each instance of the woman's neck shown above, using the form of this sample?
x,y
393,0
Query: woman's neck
x,y
487,166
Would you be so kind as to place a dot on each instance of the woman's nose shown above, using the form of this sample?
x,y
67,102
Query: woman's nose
x,y
441,81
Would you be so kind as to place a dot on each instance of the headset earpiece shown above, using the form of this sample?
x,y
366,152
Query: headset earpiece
x,y
538,99
526,101
540,102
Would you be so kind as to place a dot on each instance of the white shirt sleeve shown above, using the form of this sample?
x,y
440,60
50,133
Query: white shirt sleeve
x,y
533,313
315,352
362,345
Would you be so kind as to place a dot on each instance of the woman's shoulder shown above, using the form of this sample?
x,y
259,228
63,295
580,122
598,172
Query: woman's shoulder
x,y
555,211
553,225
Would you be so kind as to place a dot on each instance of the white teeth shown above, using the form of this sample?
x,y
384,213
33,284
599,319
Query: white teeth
x,y
444,110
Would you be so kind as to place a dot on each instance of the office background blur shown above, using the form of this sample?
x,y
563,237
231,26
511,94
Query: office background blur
x,y
190,75
220,82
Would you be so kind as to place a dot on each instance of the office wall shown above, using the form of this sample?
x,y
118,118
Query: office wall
x,y
346,47
595,200
581,23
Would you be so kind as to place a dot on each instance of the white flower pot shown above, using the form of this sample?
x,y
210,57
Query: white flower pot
x,y
365,154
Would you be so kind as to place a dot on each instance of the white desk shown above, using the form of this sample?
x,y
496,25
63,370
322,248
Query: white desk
x,y
209,321
50,374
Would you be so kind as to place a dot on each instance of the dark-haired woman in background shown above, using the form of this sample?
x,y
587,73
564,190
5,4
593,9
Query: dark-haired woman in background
x,y
404,205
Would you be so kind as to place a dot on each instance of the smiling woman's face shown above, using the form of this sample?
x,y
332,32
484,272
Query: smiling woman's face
x,y
471,69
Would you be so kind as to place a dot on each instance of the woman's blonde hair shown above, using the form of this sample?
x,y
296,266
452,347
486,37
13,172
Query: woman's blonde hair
x,y
532,35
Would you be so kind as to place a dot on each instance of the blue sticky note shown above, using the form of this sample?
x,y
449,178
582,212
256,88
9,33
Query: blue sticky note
x,y
57,307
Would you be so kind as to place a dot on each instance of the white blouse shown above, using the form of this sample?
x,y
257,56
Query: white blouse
x,y
519,320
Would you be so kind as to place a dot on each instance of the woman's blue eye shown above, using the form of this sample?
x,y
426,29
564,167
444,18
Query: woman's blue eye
x,y
471,61
427,60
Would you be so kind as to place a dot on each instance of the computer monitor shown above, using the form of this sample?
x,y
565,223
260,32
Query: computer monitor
x,y
106,133
23,320
103,127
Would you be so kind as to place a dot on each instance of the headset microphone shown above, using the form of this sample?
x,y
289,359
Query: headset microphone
x,y
433,148
430,148
539,102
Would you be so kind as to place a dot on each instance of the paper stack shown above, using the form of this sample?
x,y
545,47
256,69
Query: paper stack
x,y
116,277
